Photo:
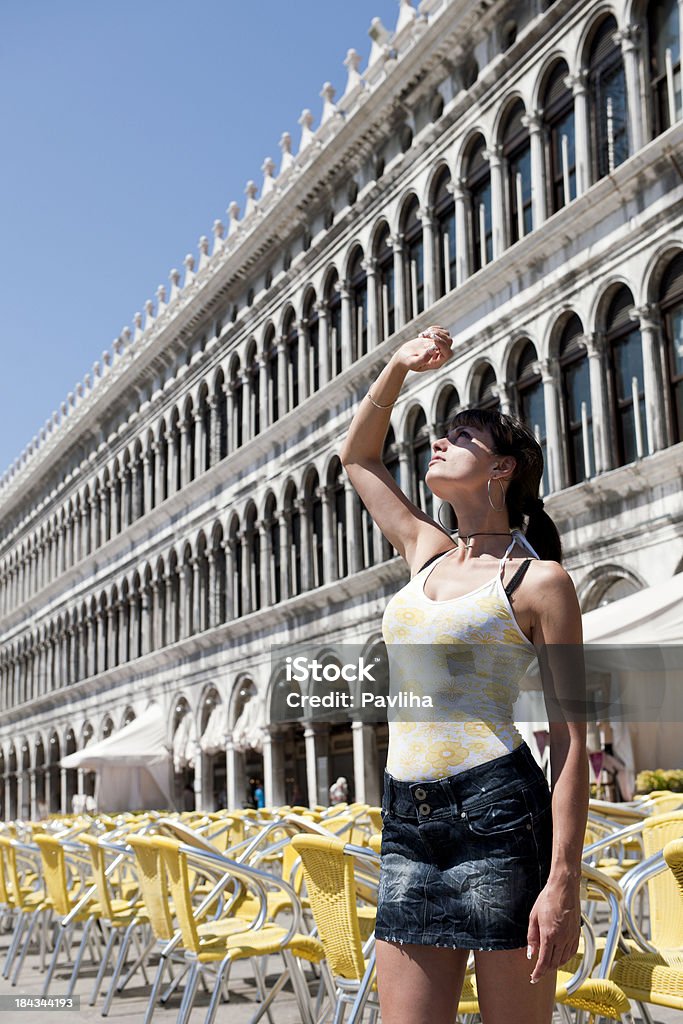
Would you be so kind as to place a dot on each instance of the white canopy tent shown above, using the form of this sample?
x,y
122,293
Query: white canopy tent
x,y
134,766
652,617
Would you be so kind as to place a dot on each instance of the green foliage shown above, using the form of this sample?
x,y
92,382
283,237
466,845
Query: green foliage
x,y
660,778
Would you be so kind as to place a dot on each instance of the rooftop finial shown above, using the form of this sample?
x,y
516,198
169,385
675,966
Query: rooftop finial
x,y
188,263
286,148
306,122
381,38
161,299
233,218
218,235
267,168
406,15
250,192
174,278
327,94
352,63
203,251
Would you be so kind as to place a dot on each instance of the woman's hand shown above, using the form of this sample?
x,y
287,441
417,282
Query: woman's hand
x,y
428,351
554,927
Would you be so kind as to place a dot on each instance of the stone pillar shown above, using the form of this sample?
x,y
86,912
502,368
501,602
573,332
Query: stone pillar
x,y
405,475
146,625
628,39
284,522
316,739
32,788
62,792
184,453
247,596
230,592
104,502
461,240
234,772
84,533
579,86
329,539
498,219
354,543
654,381
115,511
370,267
305,523
273,767
172,458
213,440
428,264
504,398
198,777
595,344
555,449
282,396
158,476
186,600
169,610
348,355
533,121
266,556
102,648
124,627
324,358
134,625
365,763
396,243
302,359
111,648
263,394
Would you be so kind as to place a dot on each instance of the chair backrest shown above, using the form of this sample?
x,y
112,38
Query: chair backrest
x,y
331,887
673,855
13,880
153,885
99,866
53,860
175,864
666,907
5,883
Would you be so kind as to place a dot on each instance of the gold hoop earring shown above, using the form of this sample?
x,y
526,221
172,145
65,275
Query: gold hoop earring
x,y
488,488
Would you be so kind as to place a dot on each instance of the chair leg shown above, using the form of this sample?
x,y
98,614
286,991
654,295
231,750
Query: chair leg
x,y
363,991
14,944
262,990
300,985
120,960
103,966
53,959
223,970
140,962
27,942
189,993
647,1016
154,994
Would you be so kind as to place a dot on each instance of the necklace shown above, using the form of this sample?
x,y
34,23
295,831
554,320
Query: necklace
x,y
482,533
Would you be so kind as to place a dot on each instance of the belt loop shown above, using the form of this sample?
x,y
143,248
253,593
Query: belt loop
x,y
390,787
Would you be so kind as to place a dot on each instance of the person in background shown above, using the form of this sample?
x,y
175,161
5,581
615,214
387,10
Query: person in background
x,y
259,795
339,791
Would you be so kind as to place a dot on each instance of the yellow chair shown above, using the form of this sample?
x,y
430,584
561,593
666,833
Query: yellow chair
x,y
329,866
654,973
207,948
26,896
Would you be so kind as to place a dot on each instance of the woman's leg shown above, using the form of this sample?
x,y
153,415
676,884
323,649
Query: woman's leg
x,y
419,984
506,996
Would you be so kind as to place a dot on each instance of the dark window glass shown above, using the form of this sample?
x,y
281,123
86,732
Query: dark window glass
x,y
663,27
607,97
413,256
444,216
560,142
481,222
517,156
385,285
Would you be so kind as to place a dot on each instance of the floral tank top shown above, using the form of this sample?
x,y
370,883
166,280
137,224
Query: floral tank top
x,y
469,655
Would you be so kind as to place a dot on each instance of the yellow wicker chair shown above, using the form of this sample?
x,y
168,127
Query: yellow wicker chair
x,y
209,949
654,973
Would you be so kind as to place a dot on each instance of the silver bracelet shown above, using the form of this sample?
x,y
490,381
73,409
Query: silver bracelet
x,y
368,395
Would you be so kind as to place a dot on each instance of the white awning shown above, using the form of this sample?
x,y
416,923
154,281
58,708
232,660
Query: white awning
x,y
650,616
247,732
213,738
184,744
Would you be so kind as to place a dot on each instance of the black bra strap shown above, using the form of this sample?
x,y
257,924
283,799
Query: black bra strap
x,y
432,559
517,578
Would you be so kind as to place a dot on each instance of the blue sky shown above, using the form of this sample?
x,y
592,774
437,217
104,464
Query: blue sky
x,y
127,129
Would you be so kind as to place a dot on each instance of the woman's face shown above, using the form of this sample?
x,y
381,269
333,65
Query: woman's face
x,y
464,457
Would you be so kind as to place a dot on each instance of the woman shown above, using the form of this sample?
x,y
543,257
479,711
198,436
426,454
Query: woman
x,y
477,853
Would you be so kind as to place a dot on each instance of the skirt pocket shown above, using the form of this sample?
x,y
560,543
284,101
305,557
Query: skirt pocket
x,y
499,815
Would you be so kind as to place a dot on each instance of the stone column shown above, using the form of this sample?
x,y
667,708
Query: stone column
x,y
654,381
115,519
84,533
213,440
316,739
186,600
184,453
170,611
504,398
273,767
354,543
158,476
305,522
324,358
265,562
263,394
370,267
102,649
234,771
198,777
282,396
579,86
498,219
627,38
302,359
533,121
329,539
146,625
172,457
62,791
230,592
200,442
462,247
555,448
595,344
396,243
32,788
428,264
365,763
405,475
247,596
145,488
134,626
284,522
348,355
104,502
111,648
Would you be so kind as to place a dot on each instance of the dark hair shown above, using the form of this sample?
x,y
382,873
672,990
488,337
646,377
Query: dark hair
x,y
512,437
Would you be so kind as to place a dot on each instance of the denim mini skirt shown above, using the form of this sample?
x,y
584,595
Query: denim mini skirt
x,y
464,857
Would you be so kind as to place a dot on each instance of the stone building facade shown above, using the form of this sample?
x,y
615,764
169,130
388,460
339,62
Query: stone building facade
x,y
513,171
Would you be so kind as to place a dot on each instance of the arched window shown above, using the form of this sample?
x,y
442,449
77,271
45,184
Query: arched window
x,y
607,99
576,398
292,360
253,377
625,356
384,255
664,48
478,182
517,157
273,527
487,397
334,325
560,152
448,406
317,538
358,287
413,259
271,364
237,400
444,234
221,411
295,552
531,403
671,302
421,452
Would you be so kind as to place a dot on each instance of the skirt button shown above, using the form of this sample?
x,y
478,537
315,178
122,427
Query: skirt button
x,y
424,808
420,793
529,826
